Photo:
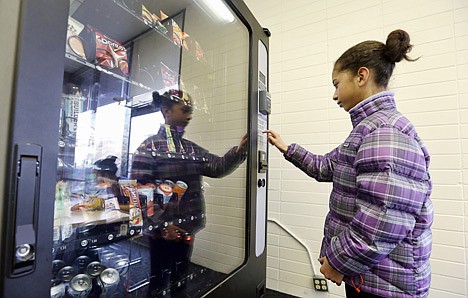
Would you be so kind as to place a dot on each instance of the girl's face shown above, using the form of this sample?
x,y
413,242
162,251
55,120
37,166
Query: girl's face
x,y
179,115
347,93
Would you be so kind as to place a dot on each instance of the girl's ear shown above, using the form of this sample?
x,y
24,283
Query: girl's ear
x,y
363,75
165,110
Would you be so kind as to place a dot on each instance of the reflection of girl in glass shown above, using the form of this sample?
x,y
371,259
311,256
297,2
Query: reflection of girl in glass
x,y
168,157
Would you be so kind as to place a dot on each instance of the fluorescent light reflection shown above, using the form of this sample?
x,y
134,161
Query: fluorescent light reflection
x,y
216,9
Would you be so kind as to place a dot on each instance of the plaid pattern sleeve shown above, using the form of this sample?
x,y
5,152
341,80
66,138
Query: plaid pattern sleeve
x,y
392,186
218,167
319,167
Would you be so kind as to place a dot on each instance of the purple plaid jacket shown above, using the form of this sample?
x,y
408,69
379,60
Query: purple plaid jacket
x,y
378,225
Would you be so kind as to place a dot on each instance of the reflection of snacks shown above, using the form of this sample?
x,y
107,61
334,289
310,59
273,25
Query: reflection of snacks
x,y
176,33
169,76
178,36
147,16
163,15
199,53
152,19
184,40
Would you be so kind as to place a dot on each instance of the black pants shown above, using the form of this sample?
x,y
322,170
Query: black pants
x,y
352,293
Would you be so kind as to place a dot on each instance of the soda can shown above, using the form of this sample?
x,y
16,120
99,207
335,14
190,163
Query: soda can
x,y
121,264
165,190
57,289
170,182
95,268
66,273
56,266
180,188
80,286
109,277
82,262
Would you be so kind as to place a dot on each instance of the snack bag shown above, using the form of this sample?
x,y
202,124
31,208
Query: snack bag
x,y
75,44
129,189
148,191
73,105
104,51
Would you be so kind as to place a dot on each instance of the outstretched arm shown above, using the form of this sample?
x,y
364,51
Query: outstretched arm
x,y
275,139
220,166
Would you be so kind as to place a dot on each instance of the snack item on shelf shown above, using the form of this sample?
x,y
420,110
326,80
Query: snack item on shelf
x,y
105,51
148,191
73,105
62,199
179,37
147,16
112,204
74,45
165,192
180,188
129,189
92,203
163,15
153,20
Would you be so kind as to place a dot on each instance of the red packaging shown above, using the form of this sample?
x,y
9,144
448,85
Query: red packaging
x,y
129,189
105,51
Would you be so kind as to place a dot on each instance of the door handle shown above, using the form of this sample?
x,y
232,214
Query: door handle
x,y
22,221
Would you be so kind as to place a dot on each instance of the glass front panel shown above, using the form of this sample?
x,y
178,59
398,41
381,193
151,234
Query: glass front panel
x,y
151,182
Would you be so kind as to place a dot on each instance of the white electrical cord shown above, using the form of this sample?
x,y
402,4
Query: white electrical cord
x,y
298,240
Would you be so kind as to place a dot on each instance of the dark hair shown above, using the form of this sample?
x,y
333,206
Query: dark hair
x,y
106,165
375,55
171,97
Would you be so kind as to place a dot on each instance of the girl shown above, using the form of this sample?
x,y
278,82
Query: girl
x,y
377,236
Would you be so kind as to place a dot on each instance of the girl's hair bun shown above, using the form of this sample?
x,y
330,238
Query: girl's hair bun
x,y
157,99
397,46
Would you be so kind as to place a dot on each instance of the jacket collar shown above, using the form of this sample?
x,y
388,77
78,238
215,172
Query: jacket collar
x,y
176,131
380,101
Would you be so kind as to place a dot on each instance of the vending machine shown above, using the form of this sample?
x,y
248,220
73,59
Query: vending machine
x,y
133,162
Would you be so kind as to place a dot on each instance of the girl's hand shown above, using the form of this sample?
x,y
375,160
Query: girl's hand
x,y
242,144
275,139
329,272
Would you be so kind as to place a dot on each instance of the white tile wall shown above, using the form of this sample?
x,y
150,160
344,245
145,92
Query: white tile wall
x,y
307,37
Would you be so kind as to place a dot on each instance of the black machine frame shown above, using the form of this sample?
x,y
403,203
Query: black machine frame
x,y
29,176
